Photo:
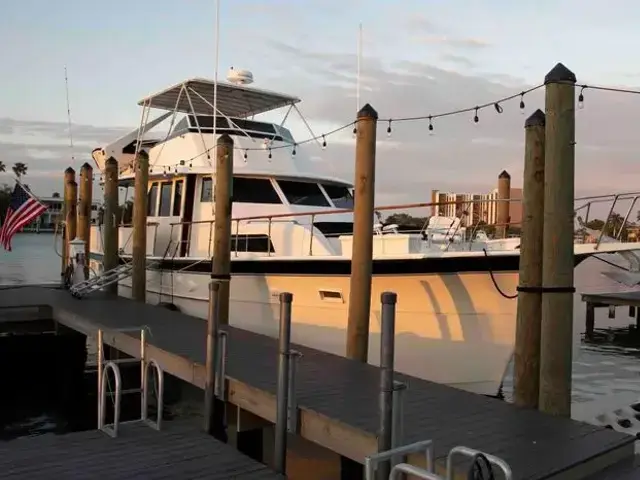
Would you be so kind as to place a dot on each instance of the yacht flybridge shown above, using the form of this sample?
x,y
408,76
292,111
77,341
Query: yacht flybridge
x,y
292,231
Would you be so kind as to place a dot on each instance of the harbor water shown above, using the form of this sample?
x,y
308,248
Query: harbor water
x,y
606,376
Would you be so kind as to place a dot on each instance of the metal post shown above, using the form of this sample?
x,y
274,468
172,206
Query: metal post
x,y
397,429
143,374
387,350
221,365
100,354
212,419
292,401
284,344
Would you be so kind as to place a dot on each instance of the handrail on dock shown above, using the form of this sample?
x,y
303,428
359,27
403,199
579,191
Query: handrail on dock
x,y
103,384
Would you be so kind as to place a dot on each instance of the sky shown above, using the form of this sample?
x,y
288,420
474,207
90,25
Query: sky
x,y
420,57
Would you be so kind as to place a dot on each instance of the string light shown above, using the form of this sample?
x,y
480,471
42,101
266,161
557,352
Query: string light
x,y
496,104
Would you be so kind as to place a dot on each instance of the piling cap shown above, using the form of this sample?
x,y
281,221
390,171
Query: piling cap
x,y
504,174
388,298
69,170
111,162
537,119
560,73
86,166
368,112
225,139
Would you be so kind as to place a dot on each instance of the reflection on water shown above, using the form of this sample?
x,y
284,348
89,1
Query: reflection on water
x,y
606,373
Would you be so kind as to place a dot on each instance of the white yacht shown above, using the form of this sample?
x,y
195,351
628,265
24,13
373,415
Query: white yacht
x,y
292,231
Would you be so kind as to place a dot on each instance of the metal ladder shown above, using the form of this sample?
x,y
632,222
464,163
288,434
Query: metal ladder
x,y
398,470
103,383
97,283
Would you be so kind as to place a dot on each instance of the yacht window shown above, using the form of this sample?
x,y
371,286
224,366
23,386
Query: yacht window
x,y
205,191
339,195
165,199
251,243
303,193
152,200
177,199
245,190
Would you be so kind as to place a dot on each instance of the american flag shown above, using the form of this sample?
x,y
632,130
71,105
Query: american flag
x,y
23,209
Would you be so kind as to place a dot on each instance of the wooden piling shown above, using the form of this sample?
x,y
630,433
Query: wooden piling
x,y
590,320
558,249
139,242
504,197
69,177
362,249
221,265
527,348
71,214
84,211
110,222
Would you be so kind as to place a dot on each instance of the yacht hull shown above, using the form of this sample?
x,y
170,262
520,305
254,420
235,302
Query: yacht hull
x,y
454,328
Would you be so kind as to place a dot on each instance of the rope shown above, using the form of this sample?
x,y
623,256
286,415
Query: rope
x,y
493,279
611,263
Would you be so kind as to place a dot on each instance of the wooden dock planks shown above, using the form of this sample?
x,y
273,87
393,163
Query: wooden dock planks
x,y
180,450
338,397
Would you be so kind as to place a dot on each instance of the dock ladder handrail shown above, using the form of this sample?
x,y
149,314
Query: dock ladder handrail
x,y
104,384
373,461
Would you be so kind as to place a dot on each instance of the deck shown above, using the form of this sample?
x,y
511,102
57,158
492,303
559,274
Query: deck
x,y
338,398
180,450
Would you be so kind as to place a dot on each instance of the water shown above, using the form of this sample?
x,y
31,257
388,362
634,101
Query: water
x,y
606,377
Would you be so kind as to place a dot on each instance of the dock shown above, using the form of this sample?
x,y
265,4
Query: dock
x,y
180,450
610,300
337,398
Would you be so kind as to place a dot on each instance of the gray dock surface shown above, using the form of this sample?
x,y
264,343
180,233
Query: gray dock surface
x,y
330,387
179,451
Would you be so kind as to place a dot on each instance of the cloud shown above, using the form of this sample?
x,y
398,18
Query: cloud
x,y
459,155
45,148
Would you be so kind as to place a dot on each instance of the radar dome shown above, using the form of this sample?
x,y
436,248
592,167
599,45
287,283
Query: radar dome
x,y
240,77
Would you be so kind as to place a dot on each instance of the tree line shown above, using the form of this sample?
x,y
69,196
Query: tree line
x,y
19,170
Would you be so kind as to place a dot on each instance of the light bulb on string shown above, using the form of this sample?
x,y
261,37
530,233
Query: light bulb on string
x,y
522,103
476,119
245,155
389,129
498,107
355,131
270,155
324,143
293,152
581,99
430,125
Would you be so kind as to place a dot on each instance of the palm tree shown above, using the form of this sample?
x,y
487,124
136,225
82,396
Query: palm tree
x,y
3,167
19,169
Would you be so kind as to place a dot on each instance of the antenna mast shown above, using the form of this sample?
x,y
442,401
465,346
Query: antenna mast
x,y
359,68
66,87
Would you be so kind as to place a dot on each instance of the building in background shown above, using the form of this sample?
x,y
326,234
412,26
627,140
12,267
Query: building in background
x,y
48,220
473,208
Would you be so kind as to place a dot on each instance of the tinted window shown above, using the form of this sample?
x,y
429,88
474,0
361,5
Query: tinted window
x,y
165,199
177,198
152,200
245,190
205,192
251,243
254,190
339,195
303,193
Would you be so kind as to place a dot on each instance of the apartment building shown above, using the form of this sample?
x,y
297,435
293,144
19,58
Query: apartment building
x,y
478,207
